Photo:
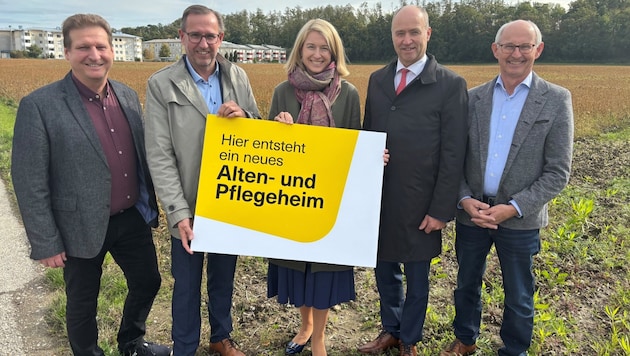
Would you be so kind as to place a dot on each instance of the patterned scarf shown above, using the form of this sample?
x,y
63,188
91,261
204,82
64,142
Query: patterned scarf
x,y
316,93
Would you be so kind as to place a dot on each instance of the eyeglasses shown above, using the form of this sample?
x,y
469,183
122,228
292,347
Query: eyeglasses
x,y
524,48
195,37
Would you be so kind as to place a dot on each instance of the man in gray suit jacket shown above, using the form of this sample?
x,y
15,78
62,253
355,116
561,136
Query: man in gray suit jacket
x,y
83,187
518,158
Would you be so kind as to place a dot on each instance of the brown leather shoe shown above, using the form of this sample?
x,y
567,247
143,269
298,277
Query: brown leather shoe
x,y
458,348
226,347
383,342
408,350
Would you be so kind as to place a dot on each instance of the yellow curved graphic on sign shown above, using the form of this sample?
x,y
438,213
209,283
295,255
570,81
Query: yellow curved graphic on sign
x,y
284,180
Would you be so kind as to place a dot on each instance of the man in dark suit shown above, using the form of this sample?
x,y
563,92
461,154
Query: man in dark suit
x,y
518,158
83,187
426,137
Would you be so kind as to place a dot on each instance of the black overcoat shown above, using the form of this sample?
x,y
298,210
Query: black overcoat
x,y
426,128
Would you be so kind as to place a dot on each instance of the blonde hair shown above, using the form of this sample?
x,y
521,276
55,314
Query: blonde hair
x,y
331,35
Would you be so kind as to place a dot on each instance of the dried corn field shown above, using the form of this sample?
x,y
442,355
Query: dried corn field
x,y
601,94
573,318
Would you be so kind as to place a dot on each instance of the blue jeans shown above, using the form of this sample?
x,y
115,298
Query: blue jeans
x,y
516,250
187,271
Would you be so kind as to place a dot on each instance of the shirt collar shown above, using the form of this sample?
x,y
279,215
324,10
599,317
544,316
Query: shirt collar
x,y
88,93
196,77
416,68
526,82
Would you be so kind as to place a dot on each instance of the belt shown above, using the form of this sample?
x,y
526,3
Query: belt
x,y
492,201
120,212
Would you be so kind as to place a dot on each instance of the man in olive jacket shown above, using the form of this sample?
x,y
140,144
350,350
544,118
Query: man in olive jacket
x,y
179,97
426,130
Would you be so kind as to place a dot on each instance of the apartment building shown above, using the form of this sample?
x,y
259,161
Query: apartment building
x,y
126,47
155,46
129,48
21,39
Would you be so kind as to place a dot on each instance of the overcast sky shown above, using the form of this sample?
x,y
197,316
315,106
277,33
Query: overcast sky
x,y
133,13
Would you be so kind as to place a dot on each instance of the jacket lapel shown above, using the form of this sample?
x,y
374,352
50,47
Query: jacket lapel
x,y
133,118
227,90
386,80
80,114
428,76
483,113
184,82
429,73
531,111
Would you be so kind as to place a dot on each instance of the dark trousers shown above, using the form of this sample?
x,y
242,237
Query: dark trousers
x,y
187,271
130,243
403,314
516,250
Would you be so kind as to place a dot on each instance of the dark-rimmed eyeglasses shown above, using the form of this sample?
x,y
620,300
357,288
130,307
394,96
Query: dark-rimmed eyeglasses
x,y
510,48
195,37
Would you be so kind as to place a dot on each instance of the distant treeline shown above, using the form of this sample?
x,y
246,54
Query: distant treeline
x,y
590,31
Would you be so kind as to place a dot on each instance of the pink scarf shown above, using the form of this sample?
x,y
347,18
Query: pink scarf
x,y
316,94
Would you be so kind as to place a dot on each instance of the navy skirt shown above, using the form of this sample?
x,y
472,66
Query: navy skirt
x,y
320,290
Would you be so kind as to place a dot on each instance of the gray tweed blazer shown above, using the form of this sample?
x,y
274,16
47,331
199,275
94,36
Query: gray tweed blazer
x,y
60,173
539,161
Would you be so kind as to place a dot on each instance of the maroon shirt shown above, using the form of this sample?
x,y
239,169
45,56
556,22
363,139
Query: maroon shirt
x,y
116,140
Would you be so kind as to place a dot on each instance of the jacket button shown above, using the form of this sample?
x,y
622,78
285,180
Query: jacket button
x,y
171,208
393,108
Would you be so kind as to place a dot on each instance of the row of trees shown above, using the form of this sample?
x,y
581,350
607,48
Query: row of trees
x,y
589,31
164,53
34,51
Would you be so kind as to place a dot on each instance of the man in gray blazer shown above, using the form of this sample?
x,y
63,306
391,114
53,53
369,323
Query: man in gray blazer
x,y
179,97
518,158
83,187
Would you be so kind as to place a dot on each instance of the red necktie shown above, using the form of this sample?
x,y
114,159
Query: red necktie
x,y
403,80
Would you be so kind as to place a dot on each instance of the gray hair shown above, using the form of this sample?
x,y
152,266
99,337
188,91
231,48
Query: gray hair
x,y
533,25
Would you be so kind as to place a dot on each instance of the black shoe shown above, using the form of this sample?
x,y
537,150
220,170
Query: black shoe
x,y
294,348
143,348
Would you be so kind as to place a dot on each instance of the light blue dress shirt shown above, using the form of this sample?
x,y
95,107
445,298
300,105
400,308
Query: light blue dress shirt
x,y
210,90
506,109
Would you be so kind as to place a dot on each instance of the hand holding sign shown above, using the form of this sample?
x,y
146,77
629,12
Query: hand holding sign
x,y
268,189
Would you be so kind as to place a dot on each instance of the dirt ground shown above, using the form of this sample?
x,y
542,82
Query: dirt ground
x,y
262,327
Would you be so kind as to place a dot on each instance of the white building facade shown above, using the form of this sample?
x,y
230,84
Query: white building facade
x,y
129,48
126,47
20,39
155,46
